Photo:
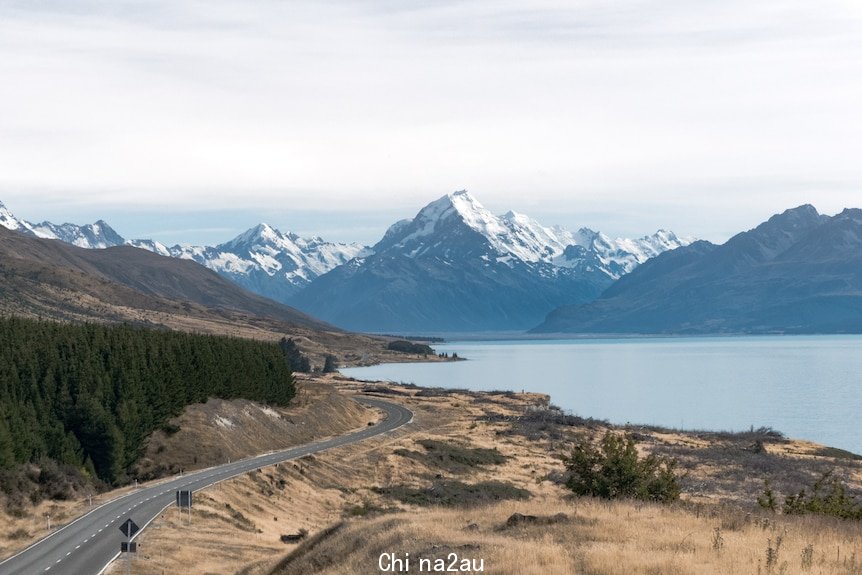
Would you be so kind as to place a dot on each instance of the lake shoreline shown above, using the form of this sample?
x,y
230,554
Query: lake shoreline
x,y
801,385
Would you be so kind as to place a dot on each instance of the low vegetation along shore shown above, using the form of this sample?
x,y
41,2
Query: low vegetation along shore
x,y
488,480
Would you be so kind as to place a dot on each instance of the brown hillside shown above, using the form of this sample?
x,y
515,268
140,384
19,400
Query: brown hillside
x,y
145,272
52,280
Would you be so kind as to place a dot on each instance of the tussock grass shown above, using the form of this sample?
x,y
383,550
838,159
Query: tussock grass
x,y
598,538
450,493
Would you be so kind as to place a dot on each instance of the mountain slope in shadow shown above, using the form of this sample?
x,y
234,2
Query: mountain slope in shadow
x,y
798,272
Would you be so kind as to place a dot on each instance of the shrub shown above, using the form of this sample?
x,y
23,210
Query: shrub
x,y
614,470
451,493
404,346
452,457
828,497
766,500
170,428
19,533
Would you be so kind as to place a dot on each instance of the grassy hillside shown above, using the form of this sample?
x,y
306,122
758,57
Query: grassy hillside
x,y
128,276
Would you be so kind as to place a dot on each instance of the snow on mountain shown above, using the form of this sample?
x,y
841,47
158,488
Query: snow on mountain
x,y
10,222
92,236
297,259
510,235
152,246
261,259
394,233
265,260
515,236
621,255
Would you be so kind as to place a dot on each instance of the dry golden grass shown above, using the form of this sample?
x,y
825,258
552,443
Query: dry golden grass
x,y
19,532
596,538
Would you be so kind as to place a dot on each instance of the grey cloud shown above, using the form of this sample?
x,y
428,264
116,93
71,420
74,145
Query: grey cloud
x,y
374,104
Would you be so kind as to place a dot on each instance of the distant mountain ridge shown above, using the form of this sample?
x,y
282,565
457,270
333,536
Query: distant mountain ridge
x,y
798,272
454,267
262,259
92,236
457,267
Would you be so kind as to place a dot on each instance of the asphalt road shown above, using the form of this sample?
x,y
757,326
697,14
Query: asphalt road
x,y
89,544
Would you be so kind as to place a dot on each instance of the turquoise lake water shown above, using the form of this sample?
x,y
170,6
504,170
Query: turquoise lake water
x,y
808,387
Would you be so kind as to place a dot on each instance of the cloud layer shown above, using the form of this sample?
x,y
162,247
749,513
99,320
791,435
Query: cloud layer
x,y
668,111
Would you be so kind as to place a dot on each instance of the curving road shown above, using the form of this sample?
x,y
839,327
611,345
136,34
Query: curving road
x,y
90,543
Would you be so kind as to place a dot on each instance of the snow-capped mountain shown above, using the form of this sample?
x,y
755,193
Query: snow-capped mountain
x,y
621,255
265,260
517,236
456,266
262,259
92,236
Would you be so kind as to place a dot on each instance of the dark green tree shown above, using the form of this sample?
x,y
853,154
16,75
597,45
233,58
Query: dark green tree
x,y
7,454
330,364
297,360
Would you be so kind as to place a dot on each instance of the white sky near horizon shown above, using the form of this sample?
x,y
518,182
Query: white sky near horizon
x,y
189,121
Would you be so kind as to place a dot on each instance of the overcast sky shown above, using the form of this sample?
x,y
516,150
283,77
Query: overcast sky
x,y
191,121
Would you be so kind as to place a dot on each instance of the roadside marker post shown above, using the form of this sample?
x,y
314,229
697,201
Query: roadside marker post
x,y
184,501
129,528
